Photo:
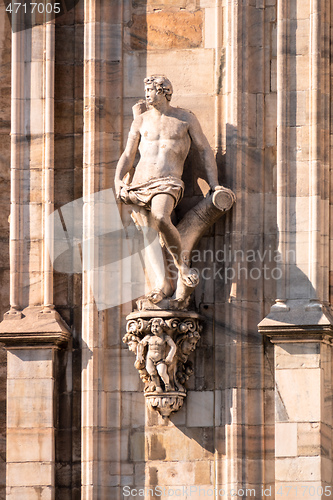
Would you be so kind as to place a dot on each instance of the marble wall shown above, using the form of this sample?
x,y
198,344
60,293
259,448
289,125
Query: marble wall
x,y
221,69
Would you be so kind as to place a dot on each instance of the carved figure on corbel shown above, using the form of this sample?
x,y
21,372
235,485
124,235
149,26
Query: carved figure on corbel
x,y
159,354
162,347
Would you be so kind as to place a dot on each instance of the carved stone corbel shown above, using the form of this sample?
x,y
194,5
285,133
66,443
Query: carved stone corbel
x,y
162,344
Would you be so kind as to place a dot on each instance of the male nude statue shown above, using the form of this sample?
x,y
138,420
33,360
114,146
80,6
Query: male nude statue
x,y
159,355
163,136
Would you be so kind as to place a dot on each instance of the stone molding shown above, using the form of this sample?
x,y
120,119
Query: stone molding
x,y
34,328
311,322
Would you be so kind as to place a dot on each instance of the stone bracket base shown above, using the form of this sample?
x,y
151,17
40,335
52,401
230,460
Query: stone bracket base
x,y
167,403
164,388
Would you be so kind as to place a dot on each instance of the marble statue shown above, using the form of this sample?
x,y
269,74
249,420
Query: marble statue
x,y
162,331
163,136
161,351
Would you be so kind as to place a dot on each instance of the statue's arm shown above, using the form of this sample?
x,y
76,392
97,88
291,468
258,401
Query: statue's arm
x,y
126,160
141,347
206,153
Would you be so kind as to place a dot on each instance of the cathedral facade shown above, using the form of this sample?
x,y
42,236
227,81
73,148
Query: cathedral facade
x,y
256,421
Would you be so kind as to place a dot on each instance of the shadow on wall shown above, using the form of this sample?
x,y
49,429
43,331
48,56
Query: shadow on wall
x,y
209,430
220,406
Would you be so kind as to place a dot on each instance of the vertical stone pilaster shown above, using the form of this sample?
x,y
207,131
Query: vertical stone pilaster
x,y
49,62
300,322
32,165
101,355
302,161
17,145
32,330
31,423
246,166
303,414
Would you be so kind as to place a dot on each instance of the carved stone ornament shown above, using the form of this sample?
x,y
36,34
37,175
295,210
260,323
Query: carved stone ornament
x,y
162,345
163,333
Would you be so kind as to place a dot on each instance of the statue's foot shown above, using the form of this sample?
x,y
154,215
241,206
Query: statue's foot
x,y
159,389
189,276
156,295
177,304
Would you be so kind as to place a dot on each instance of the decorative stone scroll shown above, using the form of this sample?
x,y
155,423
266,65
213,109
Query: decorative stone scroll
x,y
162,343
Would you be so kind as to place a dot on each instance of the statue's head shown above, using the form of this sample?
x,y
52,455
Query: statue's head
x,y
157,326
132,341
190,342
161,84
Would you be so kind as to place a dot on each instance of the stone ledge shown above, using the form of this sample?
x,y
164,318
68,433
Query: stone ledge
x,y
33,327
298,322
153,313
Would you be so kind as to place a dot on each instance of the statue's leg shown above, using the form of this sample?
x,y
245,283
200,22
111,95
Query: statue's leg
x,y
151,369
154,258
163,373
162,206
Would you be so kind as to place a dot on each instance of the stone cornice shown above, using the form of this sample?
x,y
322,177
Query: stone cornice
x,y
298,323
34,328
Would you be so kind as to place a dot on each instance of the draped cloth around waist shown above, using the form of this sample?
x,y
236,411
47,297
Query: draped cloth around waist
x,y
142,194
